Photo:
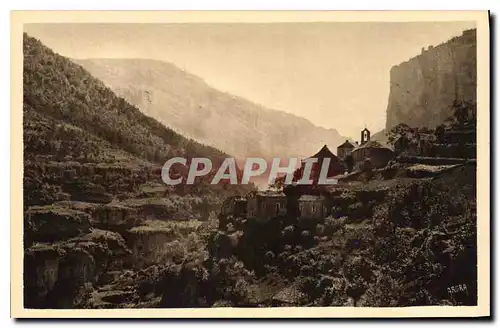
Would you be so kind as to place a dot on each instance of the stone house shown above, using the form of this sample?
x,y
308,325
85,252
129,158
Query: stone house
x,y
344,149
422,145
266,204
426,144
336,167
313,207
460,136
456,143
401,144
236,206
378,154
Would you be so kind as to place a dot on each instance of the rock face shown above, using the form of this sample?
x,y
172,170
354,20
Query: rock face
x,y
424,88
149,243
42,270
55,272
52,223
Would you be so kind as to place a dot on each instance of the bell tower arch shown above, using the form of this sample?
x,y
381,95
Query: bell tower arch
x,y
365,136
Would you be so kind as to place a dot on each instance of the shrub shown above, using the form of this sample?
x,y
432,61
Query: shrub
x,y
308,286
356,287
324,282
358,265
269,256
306,270
332,225
327,296
306,234
316,240
356,211
288,232
320,229
337,212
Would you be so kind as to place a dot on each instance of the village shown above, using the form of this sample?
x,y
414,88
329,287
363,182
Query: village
x,y
104,227
418,153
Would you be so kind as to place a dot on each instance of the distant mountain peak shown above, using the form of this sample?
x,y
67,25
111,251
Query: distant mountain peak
x,y
190,106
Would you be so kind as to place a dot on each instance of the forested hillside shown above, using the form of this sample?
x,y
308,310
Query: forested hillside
x,y
193,108
95,208
69,116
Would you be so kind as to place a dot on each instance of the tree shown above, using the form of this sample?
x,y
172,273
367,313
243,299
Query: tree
x,y
385,292
278,184
399,130
439,133
356,287
464,113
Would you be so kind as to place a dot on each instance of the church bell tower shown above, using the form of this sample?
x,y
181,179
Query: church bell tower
x,y
365,136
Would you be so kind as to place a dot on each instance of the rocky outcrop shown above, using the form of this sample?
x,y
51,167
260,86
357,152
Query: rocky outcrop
x,y
88,182
41,263
78,253
173,207
54,273
114,216
424,88
149,243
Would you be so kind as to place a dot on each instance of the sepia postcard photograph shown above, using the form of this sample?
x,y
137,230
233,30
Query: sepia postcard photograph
x,y
232,164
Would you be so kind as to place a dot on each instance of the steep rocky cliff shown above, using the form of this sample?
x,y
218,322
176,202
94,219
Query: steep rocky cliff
x,y
424,88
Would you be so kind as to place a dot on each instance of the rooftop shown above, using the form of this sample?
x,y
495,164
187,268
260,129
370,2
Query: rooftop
x,y
270,193
346,144
373,144
310,197
325,152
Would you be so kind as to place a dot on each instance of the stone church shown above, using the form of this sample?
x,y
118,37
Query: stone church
x,y
377,153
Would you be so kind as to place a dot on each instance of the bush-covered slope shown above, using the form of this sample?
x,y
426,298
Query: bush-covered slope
x,y
63,90
95,208
407,242
69,116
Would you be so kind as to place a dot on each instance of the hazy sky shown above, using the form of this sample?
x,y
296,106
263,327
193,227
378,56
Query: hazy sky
x,y
334,74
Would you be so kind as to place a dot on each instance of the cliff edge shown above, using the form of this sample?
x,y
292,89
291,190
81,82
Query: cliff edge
x,y
423,89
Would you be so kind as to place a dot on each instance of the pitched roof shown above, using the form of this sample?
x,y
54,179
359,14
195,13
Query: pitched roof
x,y
324,152
270,193
311,198
346,144
427,136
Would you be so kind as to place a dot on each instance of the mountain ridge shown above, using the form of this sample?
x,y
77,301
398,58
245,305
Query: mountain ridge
x,y
70,118
176,97
201,79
